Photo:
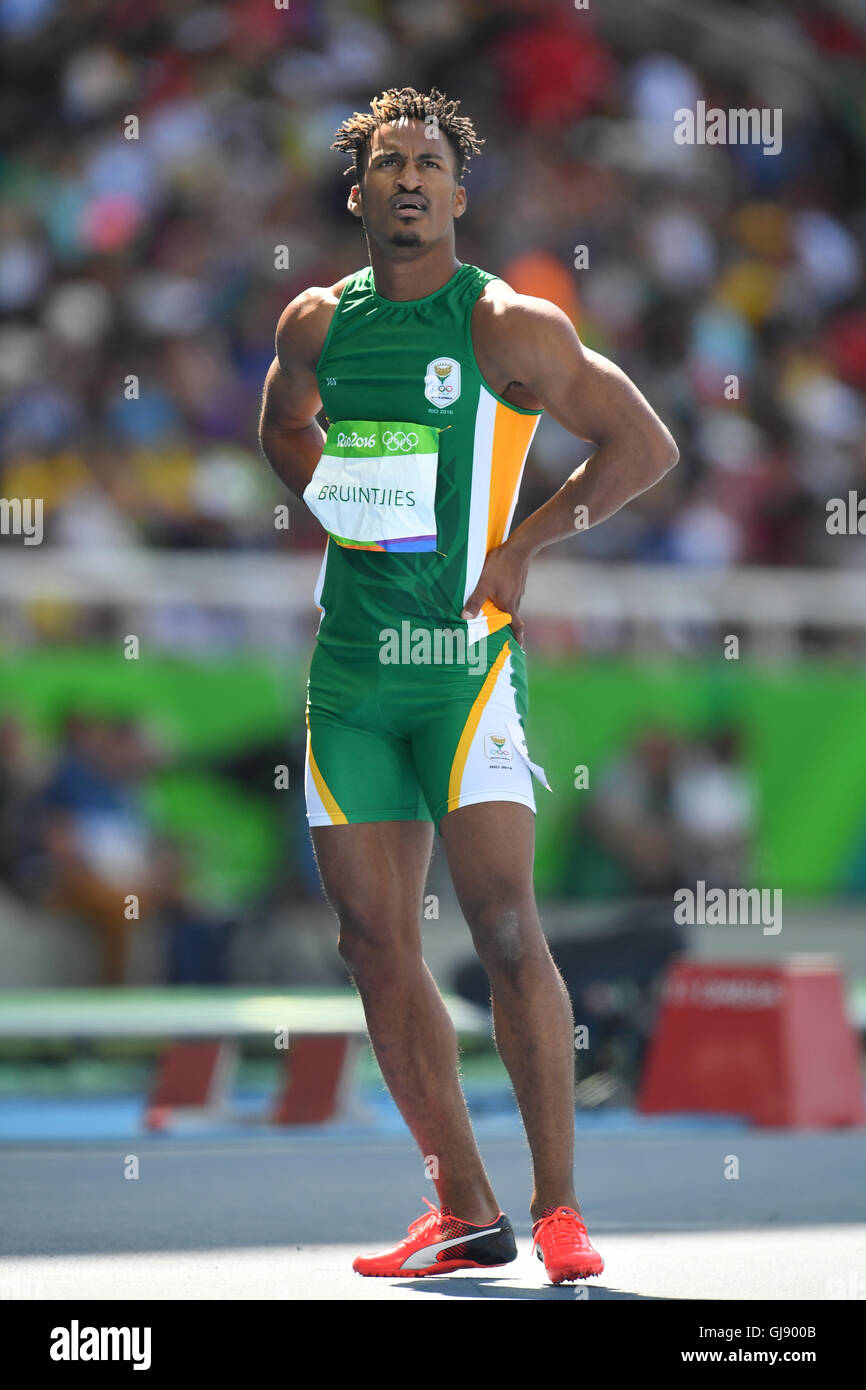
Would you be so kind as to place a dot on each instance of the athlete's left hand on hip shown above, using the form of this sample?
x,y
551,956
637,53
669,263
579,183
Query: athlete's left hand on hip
x,y
502,580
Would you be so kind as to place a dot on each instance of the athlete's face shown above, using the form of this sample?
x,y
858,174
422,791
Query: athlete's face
x,y
409,195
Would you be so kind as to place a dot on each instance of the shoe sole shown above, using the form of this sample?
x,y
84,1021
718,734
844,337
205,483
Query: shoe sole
x,y
565,1275
446,1267
574,1271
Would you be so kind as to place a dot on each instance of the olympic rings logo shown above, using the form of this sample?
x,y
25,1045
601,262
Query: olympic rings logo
x,y
397,440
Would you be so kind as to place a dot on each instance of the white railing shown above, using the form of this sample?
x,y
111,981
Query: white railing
x,y
556,588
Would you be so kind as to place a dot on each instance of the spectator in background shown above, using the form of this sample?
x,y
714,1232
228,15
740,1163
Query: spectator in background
x,y
630,814
21,773
198,940
96,835
99,847
75,837
667,811
714,805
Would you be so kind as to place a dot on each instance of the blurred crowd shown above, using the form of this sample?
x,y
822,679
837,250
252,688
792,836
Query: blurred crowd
x,y
727,282
81,840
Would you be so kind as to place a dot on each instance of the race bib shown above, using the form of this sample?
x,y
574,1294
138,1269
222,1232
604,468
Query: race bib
x,y
374,487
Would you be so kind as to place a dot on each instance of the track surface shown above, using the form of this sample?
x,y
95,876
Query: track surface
x,y
282,1218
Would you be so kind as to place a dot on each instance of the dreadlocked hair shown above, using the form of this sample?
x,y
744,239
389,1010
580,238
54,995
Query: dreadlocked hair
x,y
404,103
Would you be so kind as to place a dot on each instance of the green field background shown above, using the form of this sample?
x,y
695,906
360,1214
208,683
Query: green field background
x,y
803,733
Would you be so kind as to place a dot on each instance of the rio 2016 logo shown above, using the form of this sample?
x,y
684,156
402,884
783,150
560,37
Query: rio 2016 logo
x,y
355,441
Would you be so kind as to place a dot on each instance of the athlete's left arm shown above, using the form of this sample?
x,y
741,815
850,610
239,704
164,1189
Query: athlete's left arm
x,y
532,344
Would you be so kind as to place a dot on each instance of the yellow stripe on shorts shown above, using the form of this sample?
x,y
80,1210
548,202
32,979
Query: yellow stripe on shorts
x,y
471,726
328,799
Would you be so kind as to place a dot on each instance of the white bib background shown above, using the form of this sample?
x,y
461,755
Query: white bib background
x,y
386,518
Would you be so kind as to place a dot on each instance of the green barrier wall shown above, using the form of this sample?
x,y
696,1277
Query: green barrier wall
x,y
804,741
803,732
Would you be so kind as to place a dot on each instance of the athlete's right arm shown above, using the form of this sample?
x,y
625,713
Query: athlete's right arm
x,y
289,434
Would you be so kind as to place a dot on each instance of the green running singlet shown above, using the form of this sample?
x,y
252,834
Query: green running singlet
x,y
412,710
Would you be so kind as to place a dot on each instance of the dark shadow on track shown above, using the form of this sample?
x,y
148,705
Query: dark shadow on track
x,y
471,1287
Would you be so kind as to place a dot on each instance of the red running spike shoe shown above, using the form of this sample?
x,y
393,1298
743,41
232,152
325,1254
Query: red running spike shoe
x,y
439,1243
560,1239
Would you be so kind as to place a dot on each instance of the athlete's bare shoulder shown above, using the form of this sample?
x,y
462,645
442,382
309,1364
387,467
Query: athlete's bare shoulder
x,y
508,329
304,324
500,308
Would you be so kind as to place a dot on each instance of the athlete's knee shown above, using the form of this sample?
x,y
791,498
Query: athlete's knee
x,y
371,943
507,935
361,933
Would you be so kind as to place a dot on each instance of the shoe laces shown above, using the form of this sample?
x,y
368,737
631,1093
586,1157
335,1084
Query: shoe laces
x,y
559,1228
431,1218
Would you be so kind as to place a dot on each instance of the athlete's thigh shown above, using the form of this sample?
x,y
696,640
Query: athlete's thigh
x,y
358,765
490,848
374,875
468,743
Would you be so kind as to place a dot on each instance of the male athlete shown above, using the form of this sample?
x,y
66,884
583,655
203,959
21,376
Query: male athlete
x,y
432,375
